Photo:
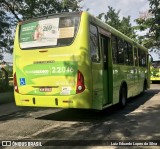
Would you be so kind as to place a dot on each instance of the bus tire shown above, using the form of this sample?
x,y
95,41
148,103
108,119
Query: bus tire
x,y
144,86
123,97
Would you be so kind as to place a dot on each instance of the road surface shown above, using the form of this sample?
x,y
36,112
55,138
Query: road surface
x,y
140,120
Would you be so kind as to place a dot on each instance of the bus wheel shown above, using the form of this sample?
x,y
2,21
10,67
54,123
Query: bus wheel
x,y
144,86
123,97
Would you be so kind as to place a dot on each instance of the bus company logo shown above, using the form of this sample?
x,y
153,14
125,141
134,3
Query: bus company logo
x,y
38,72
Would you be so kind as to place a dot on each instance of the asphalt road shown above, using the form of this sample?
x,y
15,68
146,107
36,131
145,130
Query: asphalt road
x,y
140,120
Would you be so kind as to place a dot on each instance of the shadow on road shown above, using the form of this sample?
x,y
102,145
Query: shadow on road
x,y
18,112
110,124
155,82
84,115
91,115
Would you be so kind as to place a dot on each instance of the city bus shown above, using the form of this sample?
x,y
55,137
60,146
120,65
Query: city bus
x,y
155,71
75,60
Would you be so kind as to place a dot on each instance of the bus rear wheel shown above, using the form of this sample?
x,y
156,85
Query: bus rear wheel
x,y
144,86
123,97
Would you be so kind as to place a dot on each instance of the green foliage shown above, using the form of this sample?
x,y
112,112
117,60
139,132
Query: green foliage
x,y
123,25
111,17
6,23
14,11
151,26
33,8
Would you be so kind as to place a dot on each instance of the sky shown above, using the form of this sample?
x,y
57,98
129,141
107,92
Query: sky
x,y
127,7
8,57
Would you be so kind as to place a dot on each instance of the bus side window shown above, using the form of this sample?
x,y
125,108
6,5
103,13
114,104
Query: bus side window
x,y
120,51
126,56
130,54
135,56
94,49
114,49
142,58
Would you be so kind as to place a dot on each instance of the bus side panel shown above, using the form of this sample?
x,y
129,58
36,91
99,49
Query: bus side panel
x,y
122,74
142,76
98,94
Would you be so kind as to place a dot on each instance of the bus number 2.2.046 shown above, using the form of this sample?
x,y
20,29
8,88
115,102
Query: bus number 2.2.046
x,y
62,69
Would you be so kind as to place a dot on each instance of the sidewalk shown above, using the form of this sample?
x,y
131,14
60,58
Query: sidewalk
x,y
6,97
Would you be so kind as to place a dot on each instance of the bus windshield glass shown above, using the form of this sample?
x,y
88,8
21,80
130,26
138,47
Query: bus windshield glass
x,y
156,64
58,31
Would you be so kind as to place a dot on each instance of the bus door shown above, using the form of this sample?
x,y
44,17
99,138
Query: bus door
x,y
104,40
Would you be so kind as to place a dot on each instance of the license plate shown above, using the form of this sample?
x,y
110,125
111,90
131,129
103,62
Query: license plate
x,y
45,89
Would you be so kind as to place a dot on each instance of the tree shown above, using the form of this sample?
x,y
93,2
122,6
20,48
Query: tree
x,y
149,22
126,27
155,21
14,11
6,26
112,18
24,9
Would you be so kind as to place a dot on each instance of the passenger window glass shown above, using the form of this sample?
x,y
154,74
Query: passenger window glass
x,y
94,49
120,52
142,58
114,49
126,56
135,57
130,55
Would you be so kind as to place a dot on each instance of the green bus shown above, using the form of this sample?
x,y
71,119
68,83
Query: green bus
x,y
155,71
74,60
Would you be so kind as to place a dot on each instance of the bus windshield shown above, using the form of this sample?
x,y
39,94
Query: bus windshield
x,y
59,31
156,64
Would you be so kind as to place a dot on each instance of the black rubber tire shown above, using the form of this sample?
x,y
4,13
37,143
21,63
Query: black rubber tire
x,y
144,86
123,97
